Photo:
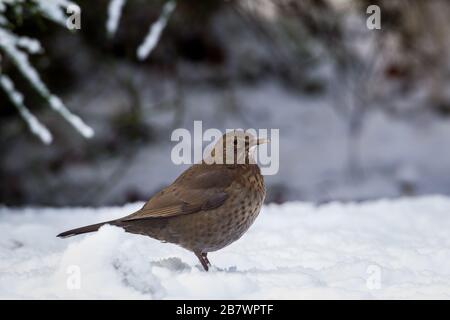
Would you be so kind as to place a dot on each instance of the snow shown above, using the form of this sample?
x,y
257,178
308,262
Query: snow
x,y
154,33
114,12
31,45
379,249
55,9
57,105
17,99
9,44
17,49
150,41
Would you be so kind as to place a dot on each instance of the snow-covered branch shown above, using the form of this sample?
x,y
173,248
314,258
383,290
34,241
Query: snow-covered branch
x,y
154,33
114,13
17,48
17,99
54,9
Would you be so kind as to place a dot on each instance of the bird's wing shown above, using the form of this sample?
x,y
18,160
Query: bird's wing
x,y
197,189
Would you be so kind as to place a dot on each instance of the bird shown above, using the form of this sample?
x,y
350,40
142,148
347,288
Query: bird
x,y
209,206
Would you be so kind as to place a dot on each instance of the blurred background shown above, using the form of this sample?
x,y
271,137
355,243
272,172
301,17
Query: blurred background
x,y
362,113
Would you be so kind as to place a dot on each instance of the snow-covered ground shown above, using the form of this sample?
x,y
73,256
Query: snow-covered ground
x,y
379,249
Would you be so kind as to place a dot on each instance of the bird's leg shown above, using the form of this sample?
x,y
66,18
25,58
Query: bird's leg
x,y
202,260
205,256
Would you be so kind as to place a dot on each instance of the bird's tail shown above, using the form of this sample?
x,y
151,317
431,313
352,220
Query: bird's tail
x,y
86,229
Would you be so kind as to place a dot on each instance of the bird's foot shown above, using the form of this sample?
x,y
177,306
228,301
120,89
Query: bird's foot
x,y
203,260
205,256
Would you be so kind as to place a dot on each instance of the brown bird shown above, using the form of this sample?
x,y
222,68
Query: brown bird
x,y
209,206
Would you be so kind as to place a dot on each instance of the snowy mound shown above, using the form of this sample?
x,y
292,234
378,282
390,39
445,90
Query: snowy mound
x,y
382,249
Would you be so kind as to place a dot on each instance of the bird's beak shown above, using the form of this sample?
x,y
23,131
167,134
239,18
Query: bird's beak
x,y
262,141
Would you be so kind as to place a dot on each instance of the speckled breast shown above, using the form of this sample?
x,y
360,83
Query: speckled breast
x,y
214,229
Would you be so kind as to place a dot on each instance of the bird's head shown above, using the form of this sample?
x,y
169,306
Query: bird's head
x,y
235,147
